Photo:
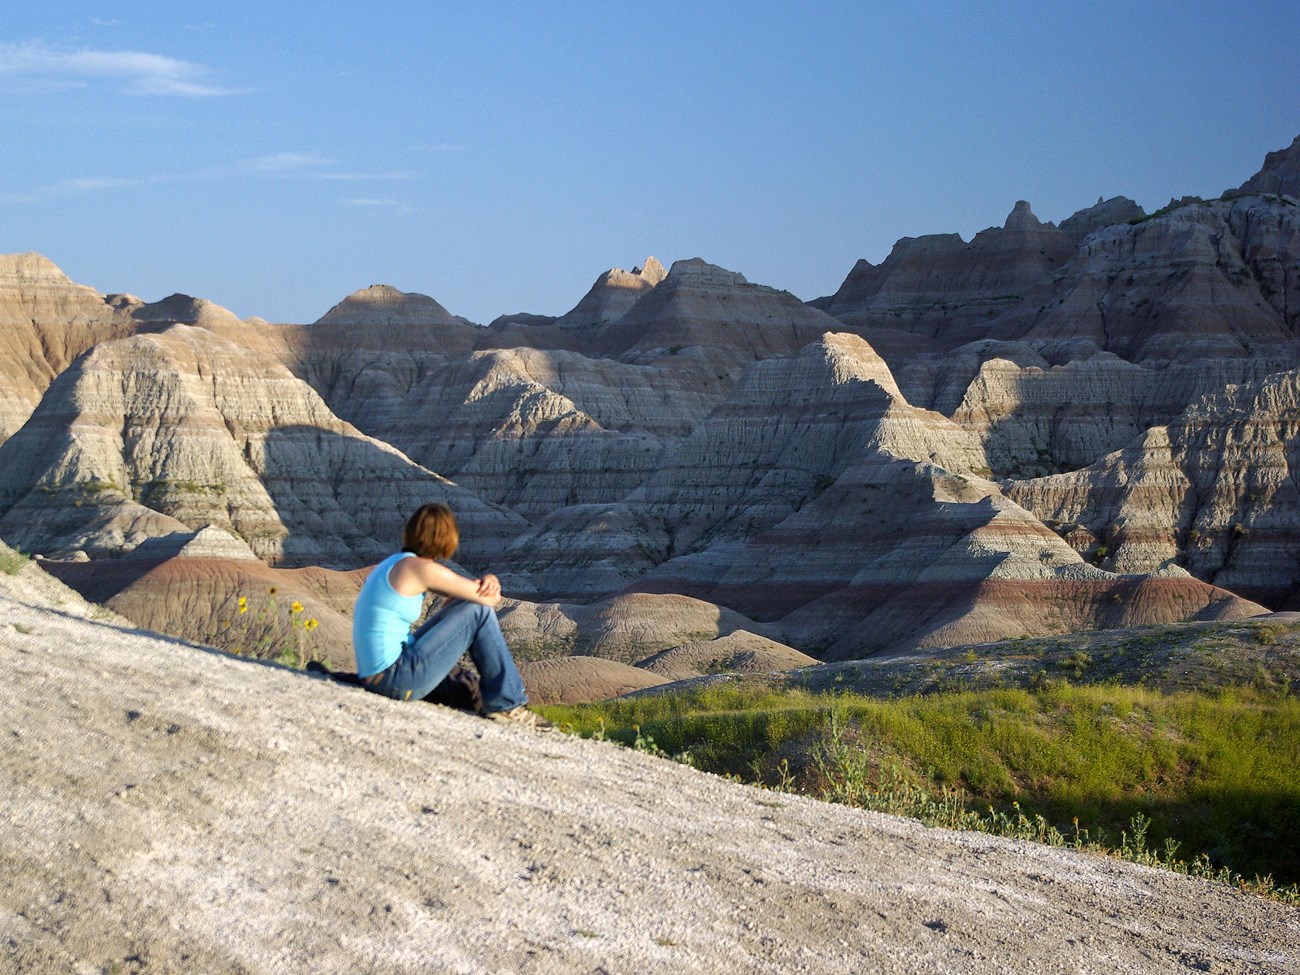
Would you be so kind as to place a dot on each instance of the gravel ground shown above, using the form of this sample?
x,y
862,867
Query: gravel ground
x,y
164,808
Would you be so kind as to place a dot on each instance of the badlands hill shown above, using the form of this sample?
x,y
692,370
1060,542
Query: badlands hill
x,y
1050,427
182,810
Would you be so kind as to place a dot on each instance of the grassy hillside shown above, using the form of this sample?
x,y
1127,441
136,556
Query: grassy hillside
x,y
1216,773
1263,653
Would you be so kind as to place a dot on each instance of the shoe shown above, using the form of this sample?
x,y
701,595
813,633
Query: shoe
x,y
521,715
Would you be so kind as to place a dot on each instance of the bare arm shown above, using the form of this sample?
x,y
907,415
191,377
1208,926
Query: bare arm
x,y
414,577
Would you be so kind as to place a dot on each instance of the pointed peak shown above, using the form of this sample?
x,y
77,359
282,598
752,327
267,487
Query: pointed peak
x,y
1021,217
638,279
614,293
651,270
1280,175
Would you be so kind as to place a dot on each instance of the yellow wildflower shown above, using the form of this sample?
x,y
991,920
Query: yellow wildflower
x,y
311,624
243,604
295,607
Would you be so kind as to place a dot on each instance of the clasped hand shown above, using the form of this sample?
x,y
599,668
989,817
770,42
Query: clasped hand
x,y
489,587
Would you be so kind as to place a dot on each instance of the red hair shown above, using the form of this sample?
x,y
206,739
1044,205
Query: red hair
x,y
431,532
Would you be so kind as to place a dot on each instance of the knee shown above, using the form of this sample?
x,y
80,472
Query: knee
x,y
478,612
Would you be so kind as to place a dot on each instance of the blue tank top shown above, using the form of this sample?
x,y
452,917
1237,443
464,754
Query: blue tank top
x,y
382,619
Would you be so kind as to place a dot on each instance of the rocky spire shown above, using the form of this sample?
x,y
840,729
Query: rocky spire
x,y
1279,177
614,294
1021,218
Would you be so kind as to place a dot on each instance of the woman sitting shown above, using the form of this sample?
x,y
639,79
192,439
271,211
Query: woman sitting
x,y
404,665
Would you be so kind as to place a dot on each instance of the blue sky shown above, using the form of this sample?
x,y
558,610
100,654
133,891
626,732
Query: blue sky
x,y
274,157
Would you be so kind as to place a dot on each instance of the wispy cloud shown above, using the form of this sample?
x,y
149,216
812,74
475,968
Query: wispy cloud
x,y
287,162
88,184
379,204
352,177
310,165
91,183
443,147
280,165
35,66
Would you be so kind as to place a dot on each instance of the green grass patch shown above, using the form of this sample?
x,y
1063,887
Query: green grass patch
x,y
12,561
1209,780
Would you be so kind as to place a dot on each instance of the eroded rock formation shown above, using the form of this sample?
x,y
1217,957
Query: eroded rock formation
x,y
940,291
614,294
1280,175
1214,492
382,304
1048,427
157,434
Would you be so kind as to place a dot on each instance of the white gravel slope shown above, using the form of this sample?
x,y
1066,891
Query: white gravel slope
x,y
168,809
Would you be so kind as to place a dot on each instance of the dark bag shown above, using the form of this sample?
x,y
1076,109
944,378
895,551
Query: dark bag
x,y
459,689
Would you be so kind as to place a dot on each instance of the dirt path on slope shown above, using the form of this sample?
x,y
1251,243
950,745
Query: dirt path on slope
x,y
168,809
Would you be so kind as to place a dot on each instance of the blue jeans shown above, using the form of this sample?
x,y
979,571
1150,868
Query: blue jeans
x,y
432,650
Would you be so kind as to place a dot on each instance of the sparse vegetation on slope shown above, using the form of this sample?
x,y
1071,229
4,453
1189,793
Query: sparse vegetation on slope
x,y
264,627
1206,780
11,560
1263,653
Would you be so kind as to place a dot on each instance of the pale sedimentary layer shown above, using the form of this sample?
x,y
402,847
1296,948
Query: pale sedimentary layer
x,y
1206,279
941,289
788,430
839,580
1037,418
693,430
624,628
159,434
1214,492
382,304
739,652
614,294
1199,279
533,429
701,304
47,321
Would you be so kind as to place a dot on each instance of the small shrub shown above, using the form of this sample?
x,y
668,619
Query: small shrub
x,y
1266,634
1077,662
